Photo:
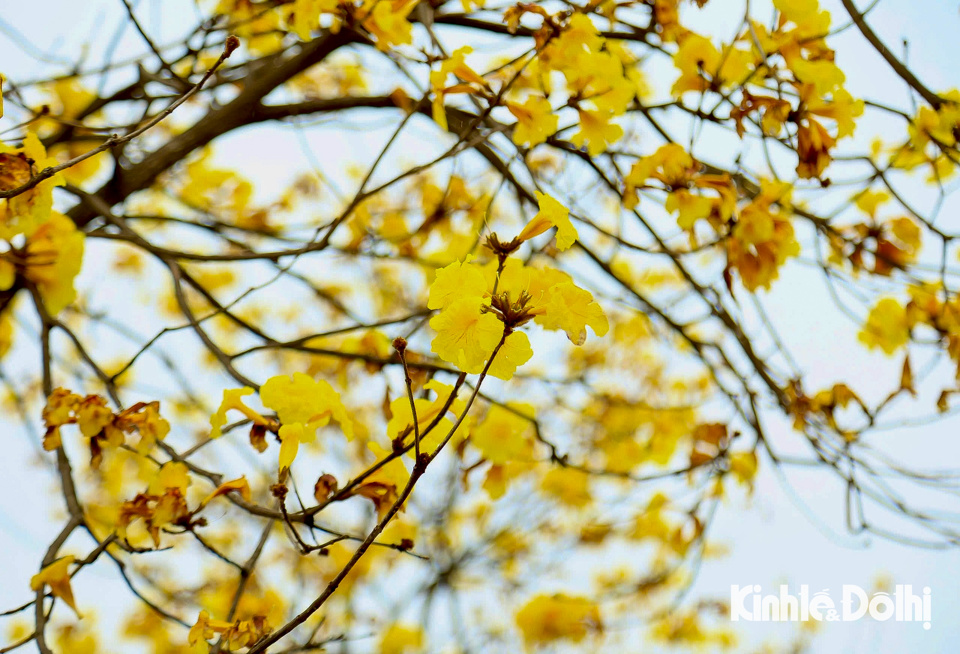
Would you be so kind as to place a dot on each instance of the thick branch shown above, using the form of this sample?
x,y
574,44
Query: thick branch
x,y
243,109
932,98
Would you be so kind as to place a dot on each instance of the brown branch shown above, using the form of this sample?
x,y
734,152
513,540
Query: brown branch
x,y
905,74
114,140
269,73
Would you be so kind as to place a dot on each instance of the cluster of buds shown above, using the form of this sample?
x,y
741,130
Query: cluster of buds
x,y
512,314
501,249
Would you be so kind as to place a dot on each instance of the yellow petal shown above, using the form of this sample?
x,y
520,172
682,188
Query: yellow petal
x,y
290,437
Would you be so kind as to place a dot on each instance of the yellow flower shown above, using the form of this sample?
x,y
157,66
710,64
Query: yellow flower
x,y
231,400
869,201
93,415
301,399
238,485
57,577
695,56
392,474
505,434
887,326
759,247
306,15
454,282
551,214
689,207
754,225
388,22
53,257
291,435
536,121
515,352
806,15
572,309
172,474
26,212
548,618
465,335
842,109
401,639
500,476
743,465
568,485
596,131
456,65
205,628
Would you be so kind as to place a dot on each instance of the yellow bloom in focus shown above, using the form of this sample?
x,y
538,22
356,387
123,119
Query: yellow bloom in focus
x,y
548,618
298,398
231,400
551,214
887,326
805,14
572,309
57,577
291,435
454,282
536,121
515,352
465,335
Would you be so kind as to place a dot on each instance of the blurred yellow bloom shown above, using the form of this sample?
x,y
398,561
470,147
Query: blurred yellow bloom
x,y
57,577
596,131
887,326
548,618
401,639
536,121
